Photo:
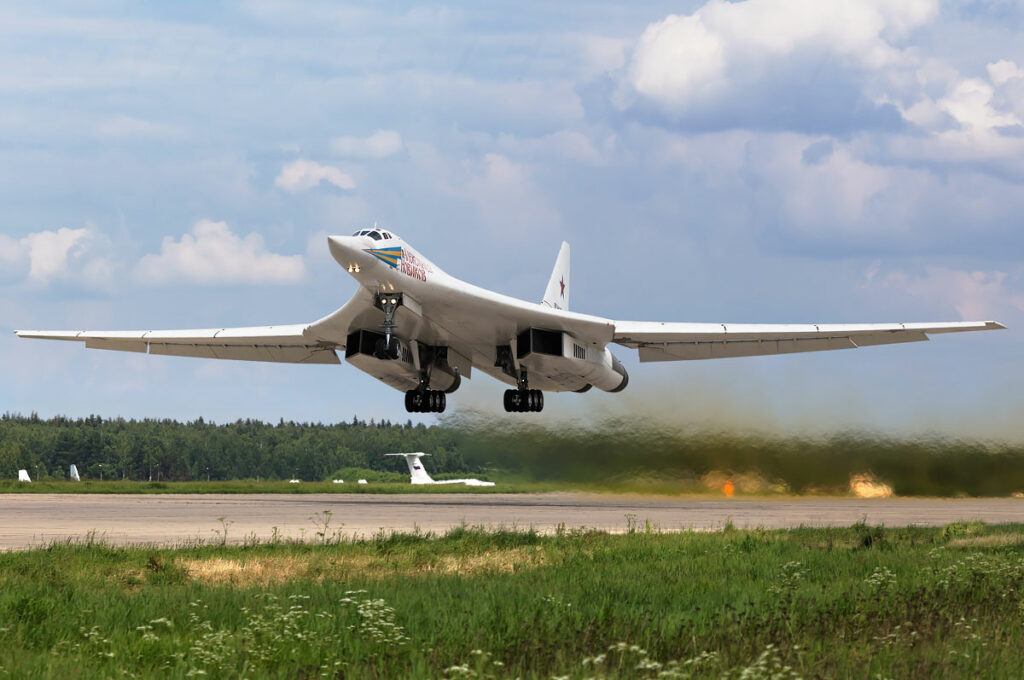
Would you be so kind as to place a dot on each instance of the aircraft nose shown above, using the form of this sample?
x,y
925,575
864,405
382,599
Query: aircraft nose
x,y
344,248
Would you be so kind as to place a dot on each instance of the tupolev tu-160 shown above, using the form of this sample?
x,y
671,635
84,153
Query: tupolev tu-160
x,y
422,331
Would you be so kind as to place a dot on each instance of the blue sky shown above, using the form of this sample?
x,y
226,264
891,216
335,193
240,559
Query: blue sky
x,y
179,164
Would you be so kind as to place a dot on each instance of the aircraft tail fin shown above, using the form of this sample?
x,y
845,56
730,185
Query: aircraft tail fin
x,y
23,476
73,473
557,293
416,470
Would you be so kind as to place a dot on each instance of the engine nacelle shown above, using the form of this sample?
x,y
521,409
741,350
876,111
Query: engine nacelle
x,y
562,359
446,367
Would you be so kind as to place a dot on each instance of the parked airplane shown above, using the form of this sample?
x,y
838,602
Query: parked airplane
x,y
418,475
422,331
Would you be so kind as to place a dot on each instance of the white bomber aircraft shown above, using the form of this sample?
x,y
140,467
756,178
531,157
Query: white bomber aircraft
x,y
423,331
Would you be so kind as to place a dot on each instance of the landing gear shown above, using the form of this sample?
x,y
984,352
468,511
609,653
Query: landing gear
x,y
521,401
425,401
388,347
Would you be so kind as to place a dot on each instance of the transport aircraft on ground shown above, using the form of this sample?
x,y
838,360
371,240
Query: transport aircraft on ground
x,y
422,331
419,475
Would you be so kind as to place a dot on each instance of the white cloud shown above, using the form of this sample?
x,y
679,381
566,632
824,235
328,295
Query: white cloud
x,y
1003,71
976,295
48,251
380,144
44,257
213,254
684,61
301,175
970,103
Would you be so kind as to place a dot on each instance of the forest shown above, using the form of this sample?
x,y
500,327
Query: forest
x,y
627,454
167,450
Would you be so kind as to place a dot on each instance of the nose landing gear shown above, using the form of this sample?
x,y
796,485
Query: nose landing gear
x,y
387,347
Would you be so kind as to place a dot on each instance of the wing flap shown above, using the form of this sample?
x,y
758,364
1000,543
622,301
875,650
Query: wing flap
x,y
280,344
118,345
691,341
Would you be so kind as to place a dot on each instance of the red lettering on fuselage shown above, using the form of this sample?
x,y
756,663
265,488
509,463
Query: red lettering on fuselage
x,y
413,266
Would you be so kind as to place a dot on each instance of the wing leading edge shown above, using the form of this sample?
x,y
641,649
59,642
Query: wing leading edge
x,y
284,344
657,341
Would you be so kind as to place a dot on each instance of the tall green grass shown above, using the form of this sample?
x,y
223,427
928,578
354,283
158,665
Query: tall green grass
x,y
856,602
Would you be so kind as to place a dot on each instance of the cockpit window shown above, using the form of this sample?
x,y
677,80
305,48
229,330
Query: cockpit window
x,y
375,234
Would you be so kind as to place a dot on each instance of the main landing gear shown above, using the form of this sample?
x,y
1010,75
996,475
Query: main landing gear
x,y
425,401
523,400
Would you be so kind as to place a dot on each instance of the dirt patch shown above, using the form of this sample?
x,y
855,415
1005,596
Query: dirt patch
x,y
272,569
990,541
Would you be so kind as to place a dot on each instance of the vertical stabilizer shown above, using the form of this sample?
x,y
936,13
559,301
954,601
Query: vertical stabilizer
x,y
557,293
416,471
73,474
23,476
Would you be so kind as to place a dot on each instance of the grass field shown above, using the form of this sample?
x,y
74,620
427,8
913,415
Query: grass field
x,y
856,602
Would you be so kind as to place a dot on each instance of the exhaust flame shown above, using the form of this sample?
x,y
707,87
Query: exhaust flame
x,y
868,486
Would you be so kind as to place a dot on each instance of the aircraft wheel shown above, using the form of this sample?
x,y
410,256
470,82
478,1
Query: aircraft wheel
x,y
410,401
442,401
394,349
539,403
509,407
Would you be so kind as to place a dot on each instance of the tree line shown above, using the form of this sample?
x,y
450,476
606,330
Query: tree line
x,y
168,450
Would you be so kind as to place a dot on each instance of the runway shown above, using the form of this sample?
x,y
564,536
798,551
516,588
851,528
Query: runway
x,y
28,520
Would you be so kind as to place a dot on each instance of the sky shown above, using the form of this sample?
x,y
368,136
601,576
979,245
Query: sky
x,y
179,165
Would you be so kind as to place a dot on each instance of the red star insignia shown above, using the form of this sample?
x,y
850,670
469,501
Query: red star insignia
x,y
561,282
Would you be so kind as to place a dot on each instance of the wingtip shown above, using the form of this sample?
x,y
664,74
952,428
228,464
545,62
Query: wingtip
x,y
995,326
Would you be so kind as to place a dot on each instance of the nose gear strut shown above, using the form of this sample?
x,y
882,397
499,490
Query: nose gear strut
x,y
388,346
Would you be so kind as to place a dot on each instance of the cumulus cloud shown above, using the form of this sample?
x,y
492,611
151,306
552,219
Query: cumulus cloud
x,y
212,254
302,174
772,62
48,256
976,295
380,144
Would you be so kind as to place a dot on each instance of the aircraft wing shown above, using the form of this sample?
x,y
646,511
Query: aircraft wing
x,y
287,344
657,341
